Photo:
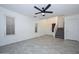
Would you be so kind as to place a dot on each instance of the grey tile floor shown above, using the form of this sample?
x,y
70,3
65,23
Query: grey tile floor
x,y
42,45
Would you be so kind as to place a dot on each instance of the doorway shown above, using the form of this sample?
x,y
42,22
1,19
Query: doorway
x,y
60,28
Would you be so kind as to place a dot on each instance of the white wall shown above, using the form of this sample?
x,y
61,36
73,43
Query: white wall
x,y
24,27
60,22
46,25
72,27
49,27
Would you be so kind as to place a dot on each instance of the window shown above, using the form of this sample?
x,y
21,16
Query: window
x,y
10,25
36,25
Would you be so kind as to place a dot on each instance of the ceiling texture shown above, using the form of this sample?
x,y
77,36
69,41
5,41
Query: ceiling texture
x,y
29,10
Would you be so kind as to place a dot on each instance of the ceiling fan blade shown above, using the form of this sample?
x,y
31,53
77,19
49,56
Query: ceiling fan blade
x,y
38,13
48,12
47,7
37,8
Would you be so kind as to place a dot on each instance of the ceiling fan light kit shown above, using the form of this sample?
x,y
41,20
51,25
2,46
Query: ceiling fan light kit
x,y
43,11
43,14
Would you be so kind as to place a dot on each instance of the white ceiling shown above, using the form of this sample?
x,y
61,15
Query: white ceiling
x,y
29,10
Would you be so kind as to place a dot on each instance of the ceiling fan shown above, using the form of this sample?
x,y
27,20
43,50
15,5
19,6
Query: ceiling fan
x,y
43,10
